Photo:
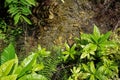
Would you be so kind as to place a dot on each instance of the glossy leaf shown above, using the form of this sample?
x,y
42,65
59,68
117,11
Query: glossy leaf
x,y
7,54
33,76
84,54
27,64
86,37
85,75
38,67
6,68
9,77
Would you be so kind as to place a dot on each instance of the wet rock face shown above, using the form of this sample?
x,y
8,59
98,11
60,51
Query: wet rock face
x,y
67,20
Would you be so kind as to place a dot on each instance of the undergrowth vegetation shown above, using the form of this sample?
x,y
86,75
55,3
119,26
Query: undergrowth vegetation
x,y
92,57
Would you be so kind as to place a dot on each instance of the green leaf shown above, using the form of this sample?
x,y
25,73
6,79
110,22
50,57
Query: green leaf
x,y
65,57
16,64
8,1
33,76
43,52
32,2
38,67
73,48
16,18
85,67
28,63
25,3
85,75
67,46
26,11
96,32
26,19
13,11
6,68
7,54
84,54
86,37
94,39
9,77
92,67
105,37
101,69
92,77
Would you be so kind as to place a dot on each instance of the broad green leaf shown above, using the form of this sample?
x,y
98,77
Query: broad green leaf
x,y
16,64
90,48
86,37
96,32
9,77
27,60
16,18
7,54
84,54
92,77
28,63
38,67
32,2
101,76
85,75
101,69
108,44
92,67
26,19
94,39
43,52
18,70
105,37
33,76
6,68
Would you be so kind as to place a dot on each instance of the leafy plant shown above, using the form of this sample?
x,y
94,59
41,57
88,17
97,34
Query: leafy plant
x,y
70,52
7,54
95,60
51,64
10,69
20,9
